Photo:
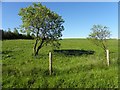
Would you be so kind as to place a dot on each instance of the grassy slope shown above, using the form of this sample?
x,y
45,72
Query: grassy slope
x,y
21,69
0,61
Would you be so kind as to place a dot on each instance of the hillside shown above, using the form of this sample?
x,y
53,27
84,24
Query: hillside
x,y
73,65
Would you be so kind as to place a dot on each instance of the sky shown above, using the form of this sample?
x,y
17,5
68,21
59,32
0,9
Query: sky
x,y
79,16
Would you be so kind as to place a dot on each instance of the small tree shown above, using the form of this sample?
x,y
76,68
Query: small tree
x,y
99,36
46,25
16,33
9,34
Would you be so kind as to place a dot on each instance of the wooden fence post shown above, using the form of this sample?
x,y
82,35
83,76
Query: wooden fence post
x,y
50,63
108,61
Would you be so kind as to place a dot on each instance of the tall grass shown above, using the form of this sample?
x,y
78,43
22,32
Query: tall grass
x,y
22,70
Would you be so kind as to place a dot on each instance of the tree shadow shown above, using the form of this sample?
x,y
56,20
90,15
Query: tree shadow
x,y
74,52
6,52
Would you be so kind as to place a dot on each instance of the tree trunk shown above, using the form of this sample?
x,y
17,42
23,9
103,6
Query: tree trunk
x,y
39,47
34,51
104,48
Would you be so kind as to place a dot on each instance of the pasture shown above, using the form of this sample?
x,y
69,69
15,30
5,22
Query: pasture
x,y
76,64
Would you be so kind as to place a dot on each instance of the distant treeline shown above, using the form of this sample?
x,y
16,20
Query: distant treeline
x,y
14,35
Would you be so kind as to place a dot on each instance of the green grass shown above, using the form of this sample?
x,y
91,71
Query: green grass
x,y
22,70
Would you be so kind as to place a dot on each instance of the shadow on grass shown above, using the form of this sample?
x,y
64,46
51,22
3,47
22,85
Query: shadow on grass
x,y
6,52
74,52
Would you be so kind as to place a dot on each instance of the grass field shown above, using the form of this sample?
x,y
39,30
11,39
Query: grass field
x,y
21,70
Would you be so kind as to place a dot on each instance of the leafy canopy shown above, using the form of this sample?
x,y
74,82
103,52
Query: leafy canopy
x,y
99,35
45,24
41,21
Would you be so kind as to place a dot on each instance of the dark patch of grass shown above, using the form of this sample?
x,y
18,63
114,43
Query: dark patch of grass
x,y
6,52
74,52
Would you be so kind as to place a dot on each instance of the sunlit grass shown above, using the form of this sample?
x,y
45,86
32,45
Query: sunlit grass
x,y
22,70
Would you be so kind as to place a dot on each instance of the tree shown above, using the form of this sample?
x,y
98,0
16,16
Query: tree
x,y
16,33
9,34
99,36
45,24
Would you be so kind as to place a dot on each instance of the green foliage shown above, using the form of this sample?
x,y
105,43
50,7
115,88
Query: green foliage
x,y
21,70
16,31
100,32
45,24
14,35
99,36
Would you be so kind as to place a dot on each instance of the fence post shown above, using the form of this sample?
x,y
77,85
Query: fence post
x,y
108,61
50,63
